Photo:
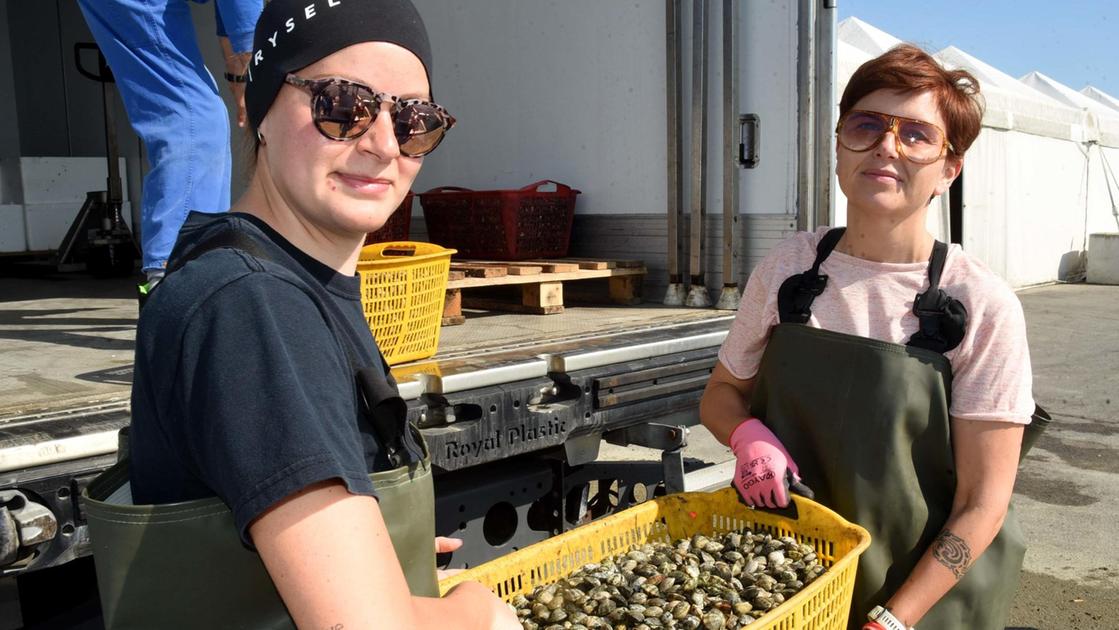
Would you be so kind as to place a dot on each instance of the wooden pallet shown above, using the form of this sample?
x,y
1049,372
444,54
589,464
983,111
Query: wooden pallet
x,y
536,285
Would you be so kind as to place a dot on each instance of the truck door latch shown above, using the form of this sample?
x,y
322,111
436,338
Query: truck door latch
x,y
748,131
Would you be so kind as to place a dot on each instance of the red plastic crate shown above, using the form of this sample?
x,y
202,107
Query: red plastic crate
x,y
501,224
397,227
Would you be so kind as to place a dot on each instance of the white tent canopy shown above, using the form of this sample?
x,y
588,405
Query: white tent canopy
x,y
988,75
1100,96
1063,93
1010,104
1102,122
862,36
848,60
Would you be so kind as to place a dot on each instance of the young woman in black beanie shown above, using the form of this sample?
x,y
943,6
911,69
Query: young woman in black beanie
x,y
274,478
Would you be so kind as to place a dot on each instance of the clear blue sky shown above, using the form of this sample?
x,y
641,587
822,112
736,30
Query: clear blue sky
x,y
1075,42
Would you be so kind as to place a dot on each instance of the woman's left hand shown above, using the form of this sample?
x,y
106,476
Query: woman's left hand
x,y
446,545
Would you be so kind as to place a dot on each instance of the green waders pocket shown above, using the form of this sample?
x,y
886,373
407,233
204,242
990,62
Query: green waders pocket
x,y
182,565
407,499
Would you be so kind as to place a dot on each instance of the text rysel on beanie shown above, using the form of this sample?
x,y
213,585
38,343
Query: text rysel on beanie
x,y
293,34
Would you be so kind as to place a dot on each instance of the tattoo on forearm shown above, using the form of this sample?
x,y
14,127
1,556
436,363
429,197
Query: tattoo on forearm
x,y
953,552
336,626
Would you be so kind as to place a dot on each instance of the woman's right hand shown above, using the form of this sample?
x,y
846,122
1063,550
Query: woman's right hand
x,y
760,464
491,612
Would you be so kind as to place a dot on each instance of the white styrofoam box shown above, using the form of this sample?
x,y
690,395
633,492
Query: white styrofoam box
x,y
1103,258
47,223
57,179
13,239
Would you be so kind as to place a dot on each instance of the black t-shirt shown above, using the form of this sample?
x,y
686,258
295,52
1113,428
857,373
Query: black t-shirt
x,y
243,388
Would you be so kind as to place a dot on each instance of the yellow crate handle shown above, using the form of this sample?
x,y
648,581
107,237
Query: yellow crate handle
x,y
397,250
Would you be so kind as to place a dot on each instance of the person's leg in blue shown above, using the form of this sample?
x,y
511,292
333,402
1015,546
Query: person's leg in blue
x,y
174,105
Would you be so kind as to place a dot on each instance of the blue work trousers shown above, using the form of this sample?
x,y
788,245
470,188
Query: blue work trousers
x,y
174,105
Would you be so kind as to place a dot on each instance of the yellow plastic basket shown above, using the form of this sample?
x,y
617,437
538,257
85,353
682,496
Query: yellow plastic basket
x,y
822,605
403,285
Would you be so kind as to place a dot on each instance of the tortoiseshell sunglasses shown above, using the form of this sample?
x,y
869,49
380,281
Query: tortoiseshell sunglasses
x,y
343,110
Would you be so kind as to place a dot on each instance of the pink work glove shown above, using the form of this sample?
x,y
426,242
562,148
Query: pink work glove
x,y
761,462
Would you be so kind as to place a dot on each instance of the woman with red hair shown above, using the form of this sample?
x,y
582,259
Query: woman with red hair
x,y
887,370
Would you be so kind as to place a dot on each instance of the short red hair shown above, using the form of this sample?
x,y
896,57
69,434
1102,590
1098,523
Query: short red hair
x,y
906,68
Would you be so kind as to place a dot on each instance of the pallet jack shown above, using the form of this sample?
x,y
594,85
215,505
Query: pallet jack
x,y
99,237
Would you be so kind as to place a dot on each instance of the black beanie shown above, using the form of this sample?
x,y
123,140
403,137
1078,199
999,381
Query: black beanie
x,y
293,34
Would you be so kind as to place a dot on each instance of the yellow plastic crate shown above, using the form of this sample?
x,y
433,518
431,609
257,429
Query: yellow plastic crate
x,y
403,285
822,605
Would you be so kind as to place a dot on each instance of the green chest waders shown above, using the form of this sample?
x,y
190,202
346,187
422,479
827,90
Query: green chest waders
x,y
867,423
183,565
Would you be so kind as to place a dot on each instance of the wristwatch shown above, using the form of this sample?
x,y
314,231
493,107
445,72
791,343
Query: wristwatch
x,y
886,619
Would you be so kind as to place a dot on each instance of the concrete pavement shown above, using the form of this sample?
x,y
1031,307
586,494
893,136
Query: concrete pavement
x,y
1067,494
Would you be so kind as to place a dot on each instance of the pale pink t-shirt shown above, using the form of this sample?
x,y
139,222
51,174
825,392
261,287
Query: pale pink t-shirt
x,y
992,379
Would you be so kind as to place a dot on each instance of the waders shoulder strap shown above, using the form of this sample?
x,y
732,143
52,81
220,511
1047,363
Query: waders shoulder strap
x,y
943,319
797,292
233,239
